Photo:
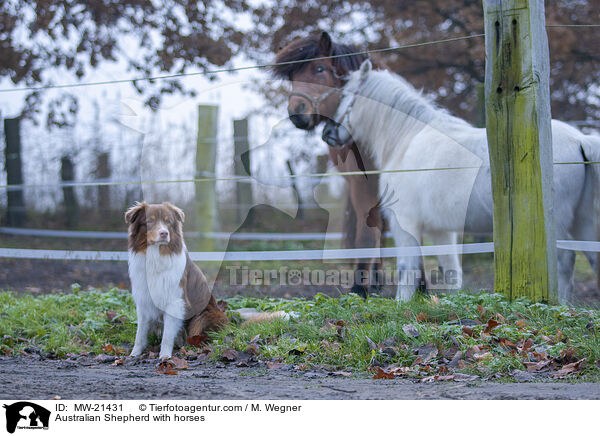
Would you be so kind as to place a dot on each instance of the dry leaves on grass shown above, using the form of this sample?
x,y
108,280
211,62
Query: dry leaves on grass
x,y
569,368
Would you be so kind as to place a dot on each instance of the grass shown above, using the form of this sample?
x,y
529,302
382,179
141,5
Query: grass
x,y
344,333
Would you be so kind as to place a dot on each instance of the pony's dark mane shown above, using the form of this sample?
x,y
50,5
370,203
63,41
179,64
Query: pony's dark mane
x,y
308,48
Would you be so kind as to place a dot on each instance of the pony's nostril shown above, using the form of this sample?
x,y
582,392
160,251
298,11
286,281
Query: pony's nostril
x,y
300,108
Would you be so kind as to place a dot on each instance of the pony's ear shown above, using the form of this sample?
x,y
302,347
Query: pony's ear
x,y
179,215
325,44
365,68
133,212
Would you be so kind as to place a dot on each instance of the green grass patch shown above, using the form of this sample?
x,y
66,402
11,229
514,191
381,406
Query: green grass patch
x,y
345,333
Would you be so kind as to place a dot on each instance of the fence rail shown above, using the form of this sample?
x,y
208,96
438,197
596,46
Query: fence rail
x,y
335,254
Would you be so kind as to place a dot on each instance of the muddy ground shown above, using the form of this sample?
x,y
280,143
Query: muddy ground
x,y
29,378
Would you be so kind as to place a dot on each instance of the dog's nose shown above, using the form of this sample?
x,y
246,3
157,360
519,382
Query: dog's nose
x,y
163,234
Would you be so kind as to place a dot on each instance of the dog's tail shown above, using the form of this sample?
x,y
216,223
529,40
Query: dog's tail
x,y
211,319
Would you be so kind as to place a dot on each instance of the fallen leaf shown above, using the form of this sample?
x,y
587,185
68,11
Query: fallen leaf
x,y
110,315
467,331
179,363
340,373
421,317
118,362
253,349
196,341
435,300
275,365
426,352
108,348
481,310
57,397
483,356
538,366
521,324
410,330
229,355
166,367
381,374
491,324
571,367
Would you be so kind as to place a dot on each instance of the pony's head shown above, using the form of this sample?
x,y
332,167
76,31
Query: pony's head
x,y
337,130
315,82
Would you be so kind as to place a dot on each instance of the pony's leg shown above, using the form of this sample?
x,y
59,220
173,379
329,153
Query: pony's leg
x,y
450,264
409,267
566,268
585,229
364,197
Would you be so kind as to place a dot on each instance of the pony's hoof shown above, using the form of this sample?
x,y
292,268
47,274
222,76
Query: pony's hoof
x,y
360,290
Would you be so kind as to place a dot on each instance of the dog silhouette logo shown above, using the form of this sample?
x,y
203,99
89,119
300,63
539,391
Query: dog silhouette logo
x,y
26,415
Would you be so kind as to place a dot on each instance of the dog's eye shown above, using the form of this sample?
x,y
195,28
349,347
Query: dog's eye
x,y
149,221
167,219
319,69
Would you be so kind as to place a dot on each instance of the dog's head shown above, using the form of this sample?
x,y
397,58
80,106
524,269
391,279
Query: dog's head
x,y
155,224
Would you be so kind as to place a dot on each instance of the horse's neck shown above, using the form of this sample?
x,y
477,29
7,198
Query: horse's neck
x,y
386,130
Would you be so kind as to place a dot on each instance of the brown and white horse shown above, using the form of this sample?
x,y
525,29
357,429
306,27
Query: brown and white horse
x,y
314,98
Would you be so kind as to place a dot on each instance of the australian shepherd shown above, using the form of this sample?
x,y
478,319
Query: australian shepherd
x,y
166,285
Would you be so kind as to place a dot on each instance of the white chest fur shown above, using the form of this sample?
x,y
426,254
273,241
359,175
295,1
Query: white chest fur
x,y
155,282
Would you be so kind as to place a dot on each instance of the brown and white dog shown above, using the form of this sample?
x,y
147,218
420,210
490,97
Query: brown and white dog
x,y
165,283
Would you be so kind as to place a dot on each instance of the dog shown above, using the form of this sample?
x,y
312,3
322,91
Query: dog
x,y
165,283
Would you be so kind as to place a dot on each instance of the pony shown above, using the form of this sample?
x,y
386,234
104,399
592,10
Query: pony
x,y
400,129
314,98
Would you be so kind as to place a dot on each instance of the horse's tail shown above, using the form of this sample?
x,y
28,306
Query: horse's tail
x,y
590,147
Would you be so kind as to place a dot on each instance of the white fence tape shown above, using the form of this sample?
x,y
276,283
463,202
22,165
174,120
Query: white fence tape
x,y
356,253
215,235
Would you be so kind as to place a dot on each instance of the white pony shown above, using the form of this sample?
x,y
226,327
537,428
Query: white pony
x,y
402,130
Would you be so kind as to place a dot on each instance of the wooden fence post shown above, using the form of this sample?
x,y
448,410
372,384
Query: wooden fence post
x,y
520,146
103,172
206,212
67,174
242,167
15,211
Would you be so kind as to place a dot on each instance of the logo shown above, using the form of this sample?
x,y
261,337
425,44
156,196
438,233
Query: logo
x,y
26,415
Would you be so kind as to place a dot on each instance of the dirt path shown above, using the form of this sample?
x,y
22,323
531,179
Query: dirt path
x,y
28,378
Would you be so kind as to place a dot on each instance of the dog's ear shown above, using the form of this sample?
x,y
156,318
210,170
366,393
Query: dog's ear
x,y
178,212
133,213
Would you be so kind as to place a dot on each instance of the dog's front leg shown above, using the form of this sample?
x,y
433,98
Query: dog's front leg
x,y
141,335
172,326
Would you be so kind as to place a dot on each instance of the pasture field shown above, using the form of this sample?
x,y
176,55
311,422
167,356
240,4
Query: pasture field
x,y
446,337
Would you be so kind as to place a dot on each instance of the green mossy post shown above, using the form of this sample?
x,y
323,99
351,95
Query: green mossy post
x,y
206,218
242,167
520,144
